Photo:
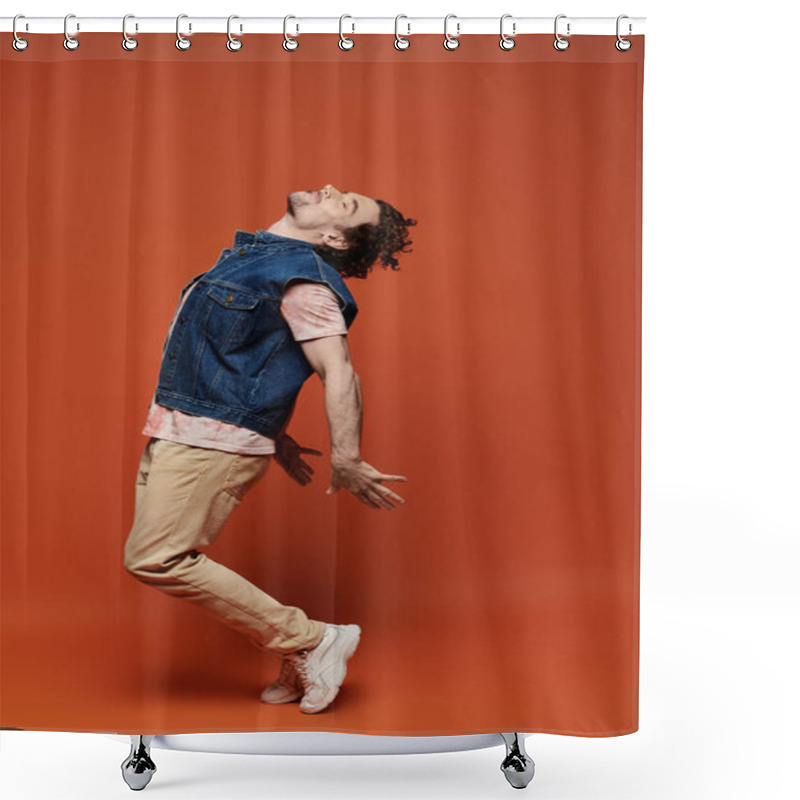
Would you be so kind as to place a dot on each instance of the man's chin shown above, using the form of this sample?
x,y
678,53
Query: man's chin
x,y
294,200
297,199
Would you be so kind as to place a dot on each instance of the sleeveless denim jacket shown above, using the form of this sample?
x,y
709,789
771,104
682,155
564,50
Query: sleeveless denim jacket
x,y
231,355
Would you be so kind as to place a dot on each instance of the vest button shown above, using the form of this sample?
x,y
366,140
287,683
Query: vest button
x,y
171,356
182,319
243,251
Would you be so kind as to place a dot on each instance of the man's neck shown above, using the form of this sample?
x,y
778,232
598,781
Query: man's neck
x,y
285,228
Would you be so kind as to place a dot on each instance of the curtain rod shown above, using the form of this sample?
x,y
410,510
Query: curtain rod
x,y
406,26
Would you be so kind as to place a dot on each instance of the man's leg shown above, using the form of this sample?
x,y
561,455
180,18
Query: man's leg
x,y
184,496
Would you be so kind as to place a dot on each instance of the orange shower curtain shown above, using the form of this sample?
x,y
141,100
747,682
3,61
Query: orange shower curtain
x,y
500,370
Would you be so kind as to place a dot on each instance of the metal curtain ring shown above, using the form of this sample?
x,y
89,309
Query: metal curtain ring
x,y
182,43
623,44
506,42
400,42
128,42
233,44
345,42
290,43
451,42
561,43
70,42
18,43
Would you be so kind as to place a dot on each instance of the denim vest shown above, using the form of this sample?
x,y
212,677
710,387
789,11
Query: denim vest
x,y
231,355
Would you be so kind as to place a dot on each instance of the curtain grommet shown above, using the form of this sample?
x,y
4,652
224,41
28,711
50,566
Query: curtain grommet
x,y
345,42
400,42
507,42
128,42
182,43
290,44
451,42
70,42
560,42
18,43
233,44
623,45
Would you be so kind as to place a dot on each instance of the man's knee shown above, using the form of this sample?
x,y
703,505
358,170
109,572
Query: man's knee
x,y
142,564
143,553
150,567
139,567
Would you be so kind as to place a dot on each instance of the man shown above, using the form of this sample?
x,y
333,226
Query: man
x,y
246,335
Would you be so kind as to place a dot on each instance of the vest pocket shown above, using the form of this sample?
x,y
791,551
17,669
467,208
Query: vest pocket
x,y
231,316
233,298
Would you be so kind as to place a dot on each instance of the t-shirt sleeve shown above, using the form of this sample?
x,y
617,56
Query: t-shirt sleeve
x,y
312,310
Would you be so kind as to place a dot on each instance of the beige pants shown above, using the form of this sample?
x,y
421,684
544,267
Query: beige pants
x,y
184,496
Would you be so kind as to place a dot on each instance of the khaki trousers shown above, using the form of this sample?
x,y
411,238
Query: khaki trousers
x,y
184,496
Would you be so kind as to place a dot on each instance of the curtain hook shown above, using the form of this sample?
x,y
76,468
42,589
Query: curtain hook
x,y
70,42
507,42
561,43
128,42
623,44
345,42
451,42
290,43
18,43
400,42
182,43
233,44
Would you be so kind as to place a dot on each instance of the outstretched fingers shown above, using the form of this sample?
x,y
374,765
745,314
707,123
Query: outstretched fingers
x,y
378,498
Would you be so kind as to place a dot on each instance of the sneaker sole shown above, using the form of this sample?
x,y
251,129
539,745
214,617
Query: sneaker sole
x,y
282,698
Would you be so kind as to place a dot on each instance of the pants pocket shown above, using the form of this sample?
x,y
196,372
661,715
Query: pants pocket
x,y
144,462
244,474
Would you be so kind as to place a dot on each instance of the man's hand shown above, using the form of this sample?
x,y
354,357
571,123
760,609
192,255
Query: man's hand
x,y
287,454
364,481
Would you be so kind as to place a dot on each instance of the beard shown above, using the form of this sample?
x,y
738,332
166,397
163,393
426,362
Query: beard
x,y
295,199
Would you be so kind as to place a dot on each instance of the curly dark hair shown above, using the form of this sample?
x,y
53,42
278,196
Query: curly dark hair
x,y
366,243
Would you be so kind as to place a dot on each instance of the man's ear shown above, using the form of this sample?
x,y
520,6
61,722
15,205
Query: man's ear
x,y
335,240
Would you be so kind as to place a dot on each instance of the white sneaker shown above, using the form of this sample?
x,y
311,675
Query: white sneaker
x,y
286,688
322,669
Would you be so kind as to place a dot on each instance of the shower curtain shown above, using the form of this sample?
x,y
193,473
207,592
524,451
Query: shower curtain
x,y
494,328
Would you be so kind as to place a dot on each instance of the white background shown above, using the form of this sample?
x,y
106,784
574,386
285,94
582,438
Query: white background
x,y
719,592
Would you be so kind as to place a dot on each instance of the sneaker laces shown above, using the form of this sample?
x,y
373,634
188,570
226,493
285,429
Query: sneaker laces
x,y
299,661
287,671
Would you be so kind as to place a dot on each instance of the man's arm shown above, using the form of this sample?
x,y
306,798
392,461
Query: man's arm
x,y
329,357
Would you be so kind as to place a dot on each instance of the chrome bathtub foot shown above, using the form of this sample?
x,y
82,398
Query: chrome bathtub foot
x,y
138,768
517,766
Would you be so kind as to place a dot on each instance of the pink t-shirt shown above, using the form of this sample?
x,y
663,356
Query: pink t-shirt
x,y
312,311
